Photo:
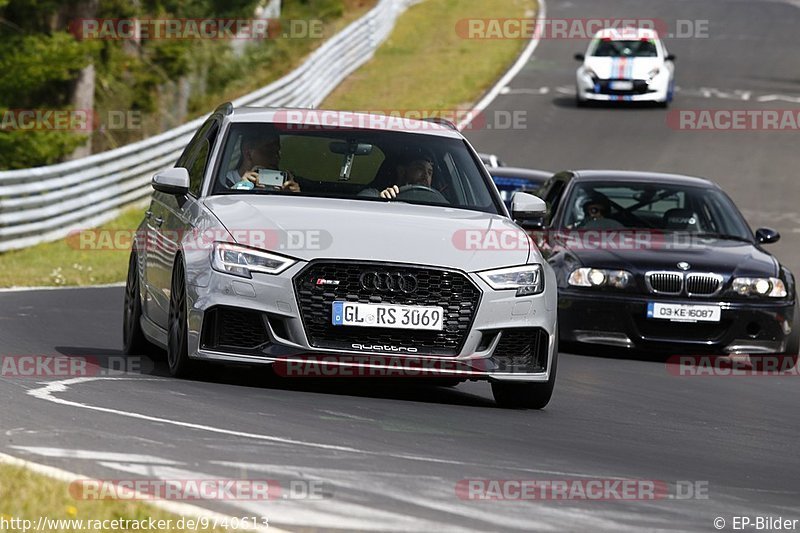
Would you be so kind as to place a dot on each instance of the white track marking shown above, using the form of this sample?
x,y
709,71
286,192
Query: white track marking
x,y
329,513
347,415
47,393
181,509
28,289
436,495
63,453
510,74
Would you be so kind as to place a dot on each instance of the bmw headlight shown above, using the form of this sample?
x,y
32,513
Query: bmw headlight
x,y
769,287
528,280
598,277
243,261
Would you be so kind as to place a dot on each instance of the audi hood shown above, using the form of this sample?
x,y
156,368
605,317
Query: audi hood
x,y
309,228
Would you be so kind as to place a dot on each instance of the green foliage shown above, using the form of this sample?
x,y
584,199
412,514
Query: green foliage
x,y
24,149
36,68
40,61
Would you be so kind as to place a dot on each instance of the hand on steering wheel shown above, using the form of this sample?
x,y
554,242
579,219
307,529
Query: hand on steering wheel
x,y
394,191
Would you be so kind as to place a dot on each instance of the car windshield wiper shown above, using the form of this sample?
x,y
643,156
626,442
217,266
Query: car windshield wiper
x,y
721,236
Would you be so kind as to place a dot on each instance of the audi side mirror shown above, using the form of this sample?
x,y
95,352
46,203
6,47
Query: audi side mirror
x,y
172,181
527,207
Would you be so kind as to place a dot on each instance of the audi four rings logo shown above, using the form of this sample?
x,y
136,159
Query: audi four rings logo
x,y
389,282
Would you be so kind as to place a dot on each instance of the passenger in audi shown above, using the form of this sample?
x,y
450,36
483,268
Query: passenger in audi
x,y
258,151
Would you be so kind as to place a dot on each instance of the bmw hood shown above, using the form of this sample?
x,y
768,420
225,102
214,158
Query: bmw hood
x,y
310,228
729,258
626,68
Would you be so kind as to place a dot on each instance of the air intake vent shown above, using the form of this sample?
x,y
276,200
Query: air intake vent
x,y
665,282
703,284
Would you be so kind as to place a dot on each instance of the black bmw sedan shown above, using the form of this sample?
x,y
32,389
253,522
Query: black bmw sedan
x,y
665,263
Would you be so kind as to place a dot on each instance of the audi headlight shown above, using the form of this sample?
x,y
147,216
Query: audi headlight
x,y
769,287
598,277
243,261
527,279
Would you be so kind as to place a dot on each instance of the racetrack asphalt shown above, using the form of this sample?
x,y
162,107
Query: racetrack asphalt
x,y
388,456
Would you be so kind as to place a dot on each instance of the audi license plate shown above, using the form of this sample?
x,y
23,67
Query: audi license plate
x,y
621,85
684,313
388,316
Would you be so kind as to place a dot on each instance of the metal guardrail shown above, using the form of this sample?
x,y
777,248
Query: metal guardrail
x,y
46,203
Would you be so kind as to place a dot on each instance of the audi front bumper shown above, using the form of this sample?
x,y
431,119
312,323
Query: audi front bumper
x,y
258,322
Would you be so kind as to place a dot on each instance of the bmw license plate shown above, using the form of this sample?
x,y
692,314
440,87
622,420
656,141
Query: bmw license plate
x,y
388,316
684,313
621,85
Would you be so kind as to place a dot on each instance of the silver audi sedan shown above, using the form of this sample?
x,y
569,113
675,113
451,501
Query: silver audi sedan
x,y
328,243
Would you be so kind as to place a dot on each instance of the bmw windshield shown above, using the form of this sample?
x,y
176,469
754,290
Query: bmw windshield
x,y
669,208
368,165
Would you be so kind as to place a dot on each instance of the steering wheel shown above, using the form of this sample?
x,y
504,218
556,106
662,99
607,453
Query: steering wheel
x,y
421,192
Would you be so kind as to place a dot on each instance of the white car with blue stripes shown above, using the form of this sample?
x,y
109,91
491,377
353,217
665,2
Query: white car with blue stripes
x,y
626,65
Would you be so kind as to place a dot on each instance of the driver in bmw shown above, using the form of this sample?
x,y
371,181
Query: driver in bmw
x,y
417,171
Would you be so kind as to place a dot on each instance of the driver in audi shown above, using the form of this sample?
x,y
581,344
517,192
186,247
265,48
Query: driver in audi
x,y
417,171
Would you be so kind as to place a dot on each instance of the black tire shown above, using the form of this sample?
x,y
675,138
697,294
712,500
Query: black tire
x,y
133,340
180,366
526,395
580,103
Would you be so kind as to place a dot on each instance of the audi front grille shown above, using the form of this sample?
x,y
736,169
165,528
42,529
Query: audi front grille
x,y
321,283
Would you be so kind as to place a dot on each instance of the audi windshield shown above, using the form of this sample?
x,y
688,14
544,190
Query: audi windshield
x,y
369,165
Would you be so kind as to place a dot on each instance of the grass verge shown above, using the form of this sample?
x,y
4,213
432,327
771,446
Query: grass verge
x,y
424,65
63,263
25,495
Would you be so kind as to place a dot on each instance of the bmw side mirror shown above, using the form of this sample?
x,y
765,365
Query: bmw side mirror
x,y
767,235
670,57
528,208
172,181
580,57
